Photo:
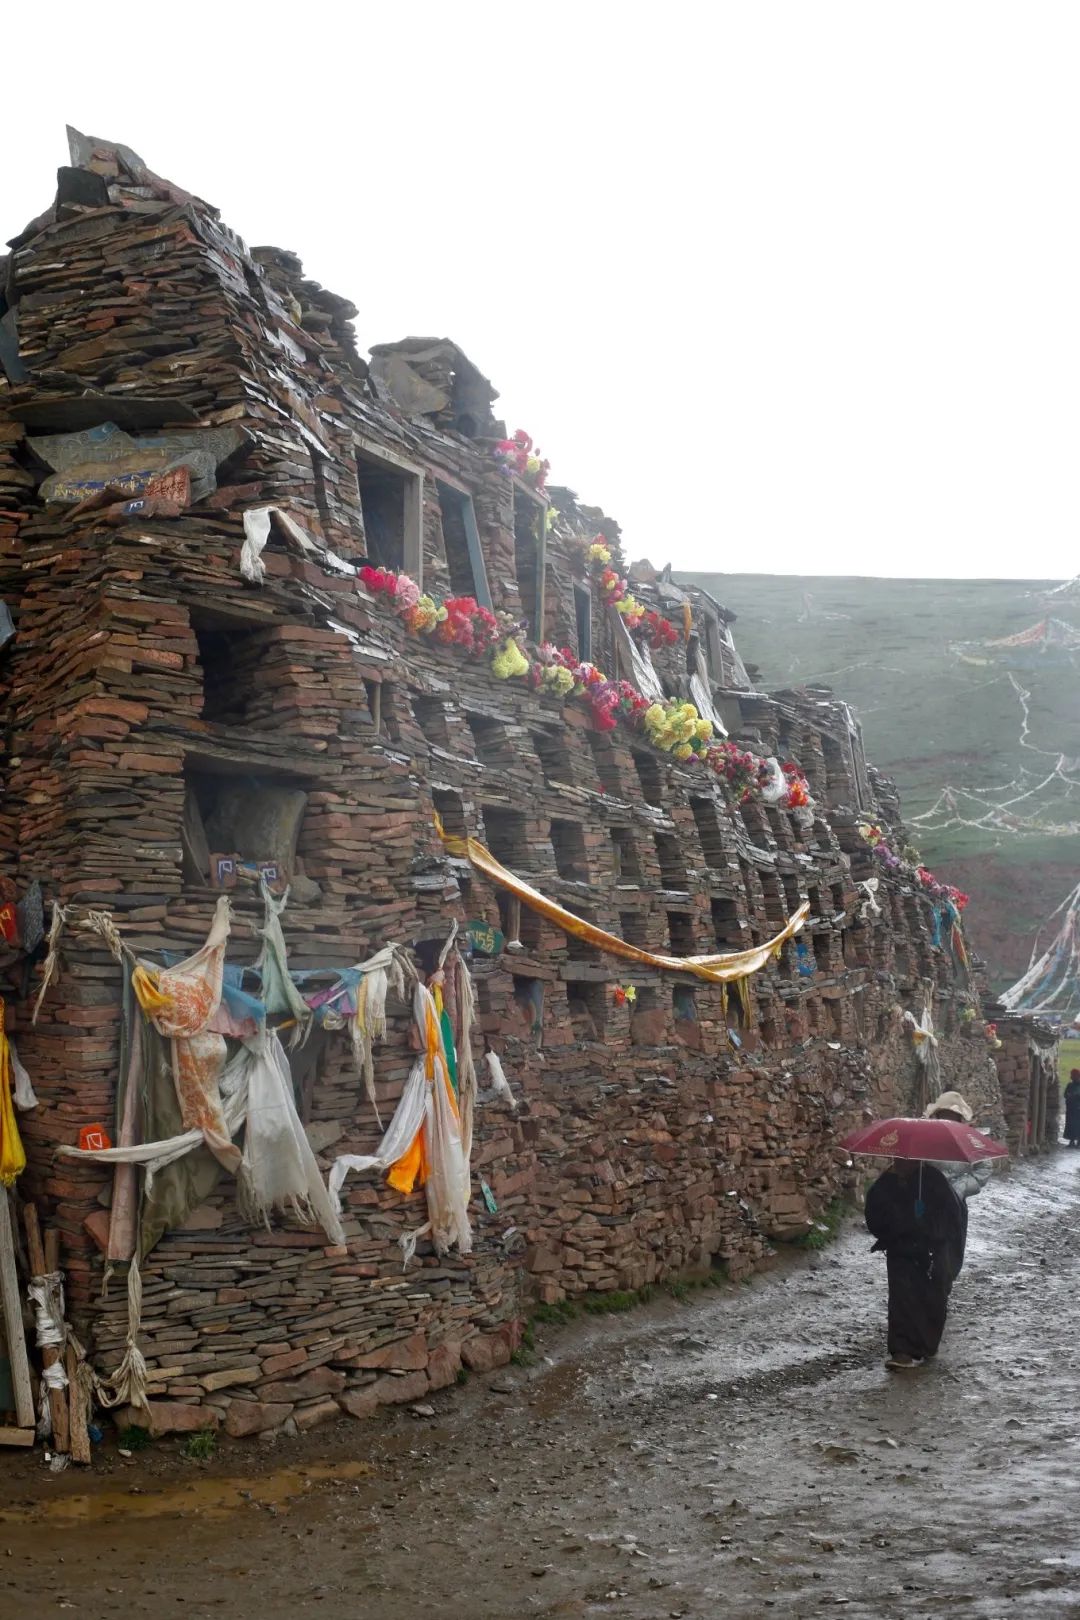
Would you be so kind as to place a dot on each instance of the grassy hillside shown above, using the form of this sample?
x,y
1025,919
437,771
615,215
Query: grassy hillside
x,y
940,708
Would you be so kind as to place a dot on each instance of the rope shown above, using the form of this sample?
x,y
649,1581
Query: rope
x,y
52,960
127,1385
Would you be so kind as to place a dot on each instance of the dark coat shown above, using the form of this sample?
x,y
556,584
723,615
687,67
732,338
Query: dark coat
x,y
1072,1111
920,1225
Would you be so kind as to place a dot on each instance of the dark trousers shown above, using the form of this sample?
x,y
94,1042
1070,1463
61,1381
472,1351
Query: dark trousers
x,y
918,1303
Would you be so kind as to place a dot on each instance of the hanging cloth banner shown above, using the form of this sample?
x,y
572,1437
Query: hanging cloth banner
x,y
423,1143
180,1003
714,969
12,1152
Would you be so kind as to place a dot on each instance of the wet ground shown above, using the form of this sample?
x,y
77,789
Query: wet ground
x,y
739,1455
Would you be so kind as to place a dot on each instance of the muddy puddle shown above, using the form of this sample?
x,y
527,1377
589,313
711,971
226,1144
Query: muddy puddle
x,y
741,1455
206,1498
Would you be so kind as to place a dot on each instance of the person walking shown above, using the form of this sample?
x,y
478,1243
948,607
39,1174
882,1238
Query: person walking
x,y
1072,1109
966,1180
915,1217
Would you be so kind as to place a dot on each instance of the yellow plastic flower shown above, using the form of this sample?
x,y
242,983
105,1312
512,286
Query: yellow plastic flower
x,y
509,661
703,730
683,751
654,717
599,553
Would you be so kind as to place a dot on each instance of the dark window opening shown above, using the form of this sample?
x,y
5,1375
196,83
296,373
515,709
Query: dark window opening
x,y
725,921
451,812
711,838
650,777
461,539
823,951
684,1003
681,933
568,843
836,891
672,866
588,1010
520,924
529,1002
633,926
322,504
624,849
231,657
554,756
529,548
490,740
583,616
380,707
383,507
430,714
606,767
578,950
235,827
775,911
505,835
643,1028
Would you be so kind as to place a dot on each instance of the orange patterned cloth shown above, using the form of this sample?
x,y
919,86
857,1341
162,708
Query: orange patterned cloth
x,y
180,1002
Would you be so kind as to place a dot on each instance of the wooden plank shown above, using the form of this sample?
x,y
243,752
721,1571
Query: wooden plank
x,y
13,1326
17,1437
80,1438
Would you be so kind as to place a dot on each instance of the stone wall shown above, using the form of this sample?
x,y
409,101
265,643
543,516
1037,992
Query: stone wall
x,y
151,683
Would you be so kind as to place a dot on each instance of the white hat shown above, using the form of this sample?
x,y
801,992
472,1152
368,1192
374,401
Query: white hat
x,y
949,1102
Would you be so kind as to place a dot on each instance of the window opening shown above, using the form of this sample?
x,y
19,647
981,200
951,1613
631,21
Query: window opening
x,y
505,835
725,920
490,740
391,507
451,812
238,826
672,866
606,766
649,775
568,843
461,539
634,928
684,1003
627,864
709,834
529,999
554,756
681,933
530,545
588,1010
430,715
583,615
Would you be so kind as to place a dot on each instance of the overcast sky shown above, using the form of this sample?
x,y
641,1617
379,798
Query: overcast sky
x,y
784,287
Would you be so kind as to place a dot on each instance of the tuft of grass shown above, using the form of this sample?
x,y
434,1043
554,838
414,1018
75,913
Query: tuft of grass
x,y
462,1376
135,1438
619,1299
562,1311
201,1445
825,1228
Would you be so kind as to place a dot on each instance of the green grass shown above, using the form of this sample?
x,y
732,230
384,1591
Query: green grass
x,y
135,1438
825,1229
201,1445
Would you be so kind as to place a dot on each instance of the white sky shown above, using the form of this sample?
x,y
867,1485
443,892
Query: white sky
x,y
784,287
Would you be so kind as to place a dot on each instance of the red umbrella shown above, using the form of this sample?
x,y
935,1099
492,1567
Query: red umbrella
x,y
943,1139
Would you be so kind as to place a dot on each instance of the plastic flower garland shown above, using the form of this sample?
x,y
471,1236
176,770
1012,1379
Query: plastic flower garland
x,y
519,456
460,621
672,726
910,865
658,631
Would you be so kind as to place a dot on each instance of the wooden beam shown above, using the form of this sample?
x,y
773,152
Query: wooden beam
x,y
11,1305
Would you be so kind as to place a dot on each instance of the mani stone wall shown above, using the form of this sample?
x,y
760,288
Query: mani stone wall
x,y
156,699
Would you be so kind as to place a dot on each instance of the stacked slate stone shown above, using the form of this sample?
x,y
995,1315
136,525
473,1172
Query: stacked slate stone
x,y
178,725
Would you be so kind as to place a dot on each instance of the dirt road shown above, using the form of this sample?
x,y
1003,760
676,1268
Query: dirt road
x,y
739,1455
